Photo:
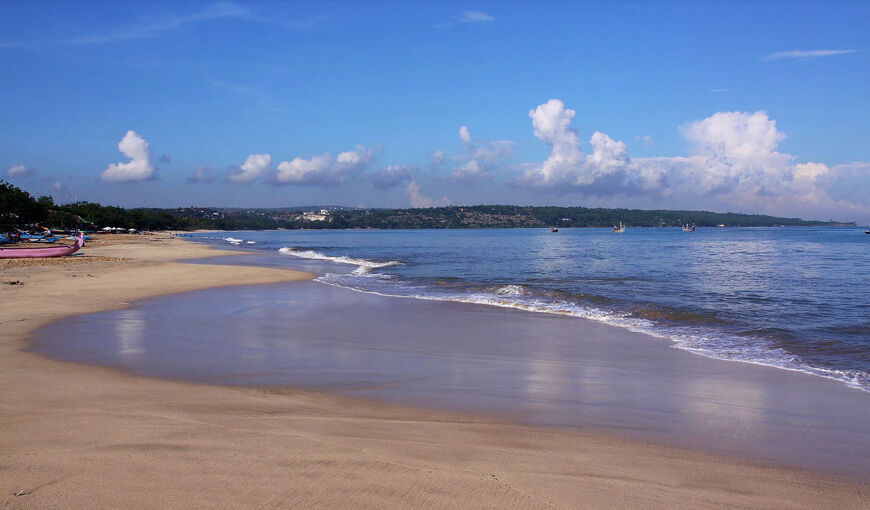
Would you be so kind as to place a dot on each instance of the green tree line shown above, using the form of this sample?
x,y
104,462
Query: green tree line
x,y
18,209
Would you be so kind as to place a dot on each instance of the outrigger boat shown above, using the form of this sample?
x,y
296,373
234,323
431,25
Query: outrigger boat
x,y
619,229
50,251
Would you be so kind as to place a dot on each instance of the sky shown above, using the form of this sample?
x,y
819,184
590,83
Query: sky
x,y
757,107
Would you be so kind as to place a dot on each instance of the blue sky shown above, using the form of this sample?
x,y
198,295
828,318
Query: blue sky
x,y
753,107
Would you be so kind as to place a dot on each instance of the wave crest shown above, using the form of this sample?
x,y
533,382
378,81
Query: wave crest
x,y
364,266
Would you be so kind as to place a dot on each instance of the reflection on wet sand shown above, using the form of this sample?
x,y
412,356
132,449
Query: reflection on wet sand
x,y
736,408
130,334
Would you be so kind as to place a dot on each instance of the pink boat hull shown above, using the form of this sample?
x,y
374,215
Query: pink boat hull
x,y
52,251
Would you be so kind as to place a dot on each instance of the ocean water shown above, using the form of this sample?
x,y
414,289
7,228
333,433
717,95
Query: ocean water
x,y
791,298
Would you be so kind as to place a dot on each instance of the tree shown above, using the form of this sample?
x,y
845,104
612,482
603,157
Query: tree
x,y
46,202
18,208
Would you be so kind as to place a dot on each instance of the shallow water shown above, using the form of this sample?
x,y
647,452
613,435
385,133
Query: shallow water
x,y
793,298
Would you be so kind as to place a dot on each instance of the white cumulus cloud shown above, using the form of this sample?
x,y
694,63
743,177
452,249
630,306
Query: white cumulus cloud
x,y
305,171
464,135
139,168
738,151
324,169
734,163
551,123
254,167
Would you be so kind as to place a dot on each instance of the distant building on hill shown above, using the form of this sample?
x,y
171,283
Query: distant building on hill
x,y
315,216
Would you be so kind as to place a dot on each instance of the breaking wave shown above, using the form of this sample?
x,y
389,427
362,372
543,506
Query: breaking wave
x,y
363,265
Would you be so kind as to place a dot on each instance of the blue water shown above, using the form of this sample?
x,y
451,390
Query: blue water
x,y
793,298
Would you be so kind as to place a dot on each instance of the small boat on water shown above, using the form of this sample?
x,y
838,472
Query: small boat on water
x,y
42,252
689,228
867,231
619,229
554,229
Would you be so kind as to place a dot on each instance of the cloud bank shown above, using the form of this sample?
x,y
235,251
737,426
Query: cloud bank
x,y
139,168
733,162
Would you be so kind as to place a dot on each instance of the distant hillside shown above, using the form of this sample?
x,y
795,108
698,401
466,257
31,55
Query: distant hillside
x,y
495,216
18,208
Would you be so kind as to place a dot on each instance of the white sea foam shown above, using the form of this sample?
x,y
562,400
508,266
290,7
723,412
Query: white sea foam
x,y
510,290
364,266
250,242
233,240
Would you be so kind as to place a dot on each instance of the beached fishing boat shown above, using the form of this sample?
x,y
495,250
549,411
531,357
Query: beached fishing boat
x,y
619,229
50,251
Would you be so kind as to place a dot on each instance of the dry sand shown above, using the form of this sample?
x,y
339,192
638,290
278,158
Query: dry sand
x,y
73,436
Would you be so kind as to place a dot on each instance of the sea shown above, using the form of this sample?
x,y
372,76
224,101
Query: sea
x,y
793,298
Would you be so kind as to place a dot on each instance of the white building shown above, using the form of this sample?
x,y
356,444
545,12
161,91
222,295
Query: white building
x,y
313,216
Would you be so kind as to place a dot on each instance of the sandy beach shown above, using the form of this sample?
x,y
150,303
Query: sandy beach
x,y
76,436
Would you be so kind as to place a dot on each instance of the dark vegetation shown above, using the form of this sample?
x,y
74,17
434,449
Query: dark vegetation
x,y
19,209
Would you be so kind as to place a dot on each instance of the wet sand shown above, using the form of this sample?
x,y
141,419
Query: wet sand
x,y
532,368
81,436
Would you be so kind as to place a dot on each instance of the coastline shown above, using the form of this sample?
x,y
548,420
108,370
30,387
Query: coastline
x,y
76,435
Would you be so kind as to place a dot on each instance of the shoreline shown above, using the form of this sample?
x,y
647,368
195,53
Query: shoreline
x,y
670,340
76,434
